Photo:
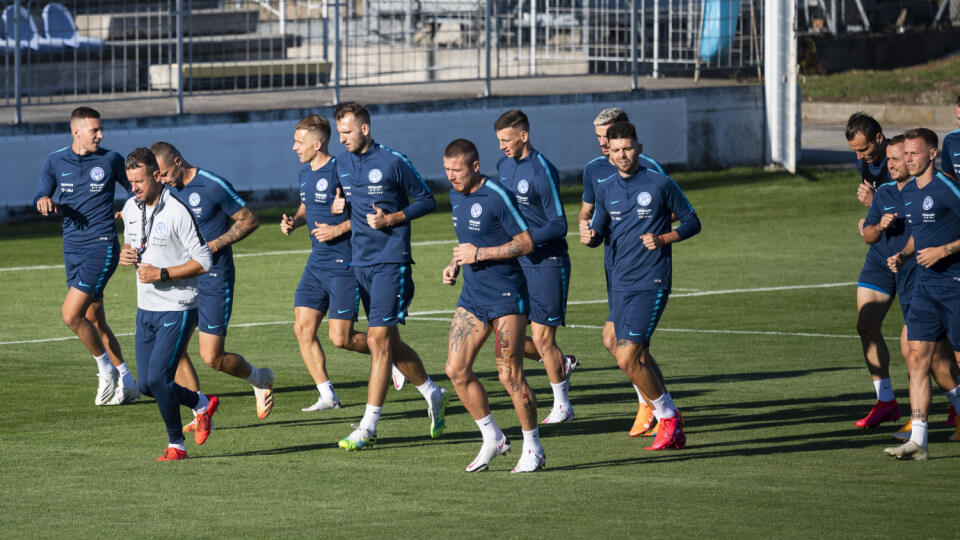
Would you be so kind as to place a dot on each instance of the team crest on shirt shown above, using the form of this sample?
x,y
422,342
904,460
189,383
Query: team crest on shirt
x,y
375,175
161,228
194,199
927,202
523,186
644,198
476,210
322,184
96,174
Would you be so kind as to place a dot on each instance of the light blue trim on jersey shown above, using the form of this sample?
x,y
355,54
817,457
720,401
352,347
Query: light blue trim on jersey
x,y
67,147
401,307
506,200
174,357
98,288
594,160
656,165
682,194
226,187
356,300
409,164
564,283
553,184
954,131
654,317
949,183
873,288
891,183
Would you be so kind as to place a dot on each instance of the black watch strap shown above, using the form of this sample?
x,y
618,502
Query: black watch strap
x,y
164,275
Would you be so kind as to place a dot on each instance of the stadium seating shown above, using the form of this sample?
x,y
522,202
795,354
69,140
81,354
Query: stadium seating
x,y
30,37
58,23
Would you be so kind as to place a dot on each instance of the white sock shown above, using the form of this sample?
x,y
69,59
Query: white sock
x,y
489,430
178,446
255,377
560,396
103,362
428,389
639,395
201,405
884,390
918,432
370,418
126,376
954,397
326,391
663,406
531,439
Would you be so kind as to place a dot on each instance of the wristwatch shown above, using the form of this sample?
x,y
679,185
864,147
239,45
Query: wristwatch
x,y
164,275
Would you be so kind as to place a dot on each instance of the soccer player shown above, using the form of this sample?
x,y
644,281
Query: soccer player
x,y
950,155
224,219
86,176
634,210
932,206
328,284
378,184
597,171
491,235
876,284
532,182
163,241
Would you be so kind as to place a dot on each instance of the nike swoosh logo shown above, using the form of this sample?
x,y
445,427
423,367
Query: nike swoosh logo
x,y
344,175
212,326
132,222
81,283
602,180
455,206
339,311
551,319
615,202
955,154
168,324
388,318
885,208
908,203
633,334
66,173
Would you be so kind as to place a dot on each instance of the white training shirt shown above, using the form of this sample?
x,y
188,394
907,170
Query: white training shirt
x,y
174,239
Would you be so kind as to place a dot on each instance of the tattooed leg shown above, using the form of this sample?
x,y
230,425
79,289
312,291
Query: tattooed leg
x,y
509,331
467,335
918,366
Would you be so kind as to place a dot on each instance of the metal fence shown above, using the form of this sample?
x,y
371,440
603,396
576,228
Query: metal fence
x,y
118,49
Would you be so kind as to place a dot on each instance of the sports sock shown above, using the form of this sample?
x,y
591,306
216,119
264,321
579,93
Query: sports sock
x,y
531,439
103,362
639,395
370,418
255,378
489,429
663,406
326,391
918,432
954,397
178,445
427,389
884,390
560,396
125,376
202,404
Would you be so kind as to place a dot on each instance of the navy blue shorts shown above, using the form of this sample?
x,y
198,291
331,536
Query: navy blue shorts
x,y
636,314
878,277
934,314
334,293
547,292
386,291
90,266
606,276
214,303
486,313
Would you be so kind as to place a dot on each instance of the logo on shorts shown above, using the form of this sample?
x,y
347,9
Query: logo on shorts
x,y
476,210
322,184
644,198
375,175
523,186
927,202
194,199
161,228
96,174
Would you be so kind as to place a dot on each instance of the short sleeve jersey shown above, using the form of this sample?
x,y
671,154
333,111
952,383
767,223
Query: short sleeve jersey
x,y
386,179
933,214
213,201
628,208
533,184
950,156
487,218
318,188
887,200
876,173
86,186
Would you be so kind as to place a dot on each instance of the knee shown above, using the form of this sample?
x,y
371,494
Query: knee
x,y
543,341
71,319
510,377
339,339
144,386
458,375
303,331
213,361
155,381
378,343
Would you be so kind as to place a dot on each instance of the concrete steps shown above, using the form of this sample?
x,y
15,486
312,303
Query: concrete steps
x,y
162,24
230,75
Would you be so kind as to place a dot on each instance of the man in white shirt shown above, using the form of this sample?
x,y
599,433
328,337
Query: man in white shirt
x,y
163,241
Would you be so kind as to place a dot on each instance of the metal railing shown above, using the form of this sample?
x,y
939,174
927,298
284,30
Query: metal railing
x,y
122,49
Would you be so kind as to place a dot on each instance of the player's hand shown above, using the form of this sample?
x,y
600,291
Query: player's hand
x,y
587,234
652,241
46,207
928,257
377,220
286,224
450,274
128,255
147,273
894,262
860,224
865,193
339,203
324,232
886,221
465,254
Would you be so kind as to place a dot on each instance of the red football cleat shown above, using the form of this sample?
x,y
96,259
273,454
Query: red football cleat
x,y
204,424
882,411
952,417
173,454
669,435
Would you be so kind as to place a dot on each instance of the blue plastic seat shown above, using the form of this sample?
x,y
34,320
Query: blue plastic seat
x,y
30,38
58,23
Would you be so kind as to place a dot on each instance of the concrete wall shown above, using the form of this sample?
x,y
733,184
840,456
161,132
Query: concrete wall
x,y
688,128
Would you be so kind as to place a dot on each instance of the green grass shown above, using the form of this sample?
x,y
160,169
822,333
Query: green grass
x,y
772,449
933,83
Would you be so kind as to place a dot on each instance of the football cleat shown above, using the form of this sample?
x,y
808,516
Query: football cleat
x,y
399,379
903,434
322,404
882,411
669,435
124,395
204,421
531,461
172,454
571,364
107,387
437,417
907,450
360,439
956,434
487,453
952,417
644,422
192,426
558,414
265,395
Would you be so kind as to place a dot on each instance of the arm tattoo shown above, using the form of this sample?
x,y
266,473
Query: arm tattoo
x,y
460,329
244,223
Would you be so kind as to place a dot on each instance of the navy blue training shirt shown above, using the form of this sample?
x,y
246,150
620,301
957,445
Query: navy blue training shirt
x,y
933,214
213,201
599,168
887,200
950,155
533,184
317,191
875,172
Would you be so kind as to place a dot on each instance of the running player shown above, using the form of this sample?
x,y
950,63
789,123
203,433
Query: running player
x,y
328,284
638,204
491,235
950,155
865,137
163,241
595,172
86,176
532,181
377,185
932,204
224,219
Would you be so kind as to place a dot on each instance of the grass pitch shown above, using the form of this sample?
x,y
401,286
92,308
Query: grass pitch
x,y
757,343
